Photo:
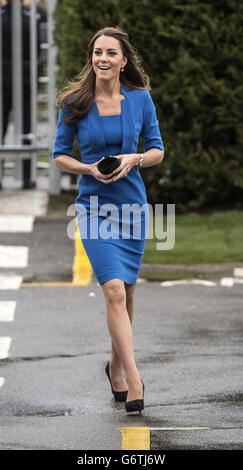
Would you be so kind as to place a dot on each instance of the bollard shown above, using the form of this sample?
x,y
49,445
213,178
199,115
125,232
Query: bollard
x,y
82,269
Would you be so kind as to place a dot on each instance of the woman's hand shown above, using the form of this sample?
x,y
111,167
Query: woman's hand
x,y
94,171
127,162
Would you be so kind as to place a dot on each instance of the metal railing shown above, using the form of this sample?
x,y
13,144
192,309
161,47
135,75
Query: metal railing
x,y
27,146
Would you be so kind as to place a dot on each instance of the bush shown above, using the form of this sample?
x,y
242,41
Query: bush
x,y
193,53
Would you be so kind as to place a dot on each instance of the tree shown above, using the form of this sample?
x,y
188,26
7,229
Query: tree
x,y
193,53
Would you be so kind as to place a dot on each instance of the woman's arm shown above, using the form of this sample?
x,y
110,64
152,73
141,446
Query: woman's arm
x,y
71,165
62,153
150,158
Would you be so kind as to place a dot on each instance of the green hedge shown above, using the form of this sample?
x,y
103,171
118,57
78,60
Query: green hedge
x,y
193,53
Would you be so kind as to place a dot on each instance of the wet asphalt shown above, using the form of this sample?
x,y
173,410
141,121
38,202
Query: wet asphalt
x,y
188,349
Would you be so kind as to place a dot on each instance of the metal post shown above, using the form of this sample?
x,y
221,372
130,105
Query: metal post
x,y
17,77
1,91
33,81
1,97
55,174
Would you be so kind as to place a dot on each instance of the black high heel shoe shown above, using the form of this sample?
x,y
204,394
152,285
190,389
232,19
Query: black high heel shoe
x,y
119,396
135,405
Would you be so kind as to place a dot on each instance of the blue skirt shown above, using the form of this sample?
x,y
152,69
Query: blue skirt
x,y
113,234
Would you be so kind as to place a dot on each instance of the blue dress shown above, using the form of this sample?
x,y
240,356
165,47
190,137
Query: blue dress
x,y
113,218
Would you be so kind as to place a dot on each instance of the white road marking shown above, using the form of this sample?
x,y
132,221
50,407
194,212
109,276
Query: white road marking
x,y
16,223
188,282
10,281
238,272
5,343
189,428
2,380
7,310
227,281
13,256
25,202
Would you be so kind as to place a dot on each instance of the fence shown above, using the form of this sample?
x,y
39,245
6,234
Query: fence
x,y
39,64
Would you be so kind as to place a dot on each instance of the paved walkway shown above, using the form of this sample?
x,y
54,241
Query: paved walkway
x,y
54,346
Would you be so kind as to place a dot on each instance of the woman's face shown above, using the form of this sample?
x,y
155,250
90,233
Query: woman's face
x,y
107,58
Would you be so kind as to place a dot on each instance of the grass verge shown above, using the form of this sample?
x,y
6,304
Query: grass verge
x,y
199,238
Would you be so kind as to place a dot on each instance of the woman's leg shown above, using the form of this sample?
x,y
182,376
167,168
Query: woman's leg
x,y
130,290
118,381
120,328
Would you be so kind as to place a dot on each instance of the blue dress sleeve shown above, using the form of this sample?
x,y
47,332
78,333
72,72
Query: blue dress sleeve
x,y
150,129
63,144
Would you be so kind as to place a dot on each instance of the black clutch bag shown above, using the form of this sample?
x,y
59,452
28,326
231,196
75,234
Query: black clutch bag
x,y
107,165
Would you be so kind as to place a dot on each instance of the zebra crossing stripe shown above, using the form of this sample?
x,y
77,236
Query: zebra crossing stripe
x,y
13,256
7,310
10,281
16,223
2,380
5,343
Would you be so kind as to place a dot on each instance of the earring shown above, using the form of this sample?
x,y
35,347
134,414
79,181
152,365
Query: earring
x,y
122,69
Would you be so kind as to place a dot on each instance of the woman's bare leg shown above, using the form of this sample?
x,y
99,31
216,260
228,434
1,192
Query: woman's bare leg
x,y
130,290
118,381
120,328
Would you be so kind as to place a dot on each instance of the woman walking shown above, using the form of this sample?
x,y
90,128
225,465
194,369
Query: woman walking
x,y
108,107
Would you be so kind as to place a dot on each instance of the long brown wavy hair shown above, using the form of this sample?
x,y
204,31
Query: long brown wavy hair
x,y
78,95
